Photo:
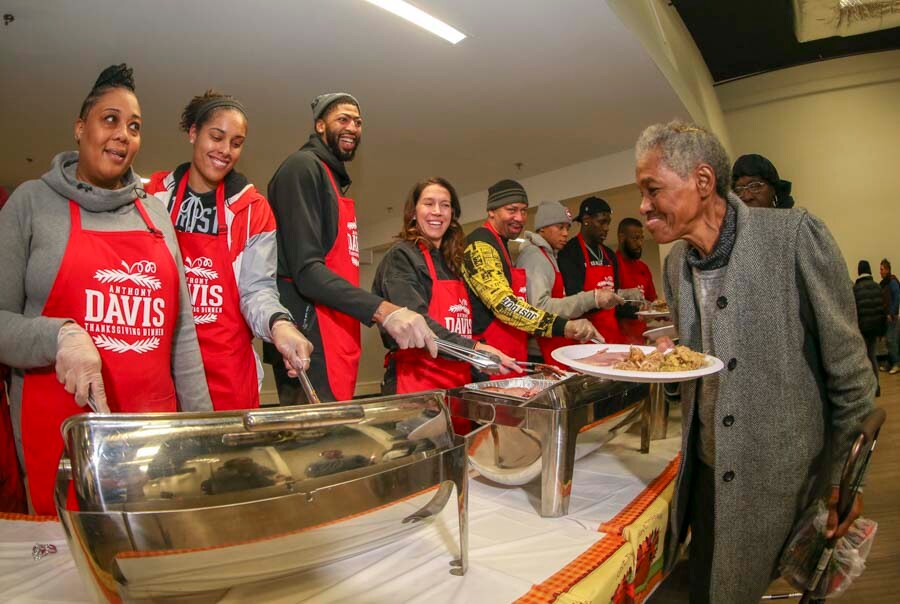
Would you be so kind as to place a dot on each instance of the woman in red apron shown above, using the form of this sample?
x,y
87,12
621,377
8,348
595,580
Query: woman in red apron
x,y
226,233
97,307
421,272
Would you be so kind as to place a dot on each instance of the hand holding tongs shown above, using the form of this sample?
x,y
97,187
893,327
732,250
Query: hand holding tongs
x,y
483,361
311,396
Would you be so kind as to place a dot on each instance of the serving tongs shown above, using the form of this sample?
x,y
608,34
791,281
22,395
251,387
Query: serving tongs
x,y
483,361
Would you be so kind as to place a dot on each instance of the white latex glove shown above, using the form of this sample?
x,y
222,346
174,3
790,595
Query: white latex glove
x,y
582,330
631,294
410,330
295,349
607,298
78,367
507,363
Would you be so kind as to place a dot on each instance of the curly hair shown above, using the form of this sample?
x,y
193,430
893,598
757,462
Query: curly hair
x,y
682,146
203,107
454,241
114,76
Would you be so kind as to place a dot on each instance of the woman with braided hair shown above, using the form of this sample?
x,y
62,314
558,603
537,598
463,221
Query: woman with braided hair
x,y
226,232
93,309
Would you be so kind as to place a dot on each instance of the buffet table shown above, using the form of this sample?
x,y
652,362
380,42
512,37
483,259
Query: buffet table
x,y
608,548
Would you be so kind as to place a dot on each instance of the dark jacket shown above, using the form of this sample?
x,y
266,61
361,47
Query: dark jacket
x,y
572,267
890,291
870,311
306,212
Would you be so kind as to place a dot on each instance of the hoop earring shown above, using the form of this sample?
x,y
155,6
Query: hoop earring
x,y
775,200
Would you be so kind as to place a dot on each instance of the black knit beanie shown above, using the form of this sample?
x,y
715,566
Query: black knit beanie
x,y
504,193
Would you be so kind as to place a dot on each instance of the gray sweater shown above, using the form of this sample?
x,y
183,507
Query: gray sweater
x,y
34,231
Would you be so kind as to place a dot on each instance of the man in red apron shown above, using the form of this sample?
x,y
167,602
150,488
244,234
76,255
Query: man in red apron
x,y
545,284
586,264
501,316
633,273
318,258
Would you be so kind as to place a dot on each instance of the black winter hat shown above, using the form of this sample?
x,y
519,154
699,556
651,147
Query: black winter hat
x,y
590,206
505,192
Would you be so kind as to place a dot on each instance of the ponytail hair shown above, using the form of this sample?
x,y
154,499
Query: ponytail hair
x,y
114,76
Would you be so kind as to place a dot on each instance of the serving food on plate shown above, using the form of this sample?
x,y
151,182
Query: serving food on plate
x,y
623,362
659,305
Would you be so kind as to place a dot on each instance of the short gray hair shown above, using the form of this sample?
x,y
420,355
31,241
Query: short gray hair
x,y
682,145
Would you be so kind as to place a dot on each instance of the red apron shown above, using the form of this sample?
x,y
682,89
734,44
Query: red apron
x,y
601,277
506,338
633,329
449,306
226,342
122,287
12,489
340,332
548,345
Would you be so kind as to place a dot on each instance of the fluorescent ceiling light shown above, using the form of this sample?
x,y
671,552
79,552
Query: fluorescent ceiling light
x,y
407,11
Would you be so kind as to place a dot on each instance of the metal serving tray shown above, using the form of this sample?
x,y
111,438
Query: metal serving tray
x,y
537,436
188,505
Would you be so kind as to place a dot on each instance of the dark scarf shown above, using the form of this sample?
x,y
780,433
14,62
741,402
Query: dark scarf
x,y
721,252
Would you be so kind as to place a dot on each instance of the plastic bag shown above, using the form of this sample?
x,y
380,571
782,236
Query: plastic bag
x,y
800,557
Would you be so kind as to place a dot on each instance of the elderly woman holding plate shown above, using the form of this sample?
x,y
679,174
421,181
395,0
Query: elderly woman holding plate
x,y
767,293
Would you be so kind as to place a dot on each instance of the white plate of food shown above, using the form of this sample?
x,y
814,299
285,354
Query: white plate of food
x,y
653,314
627,363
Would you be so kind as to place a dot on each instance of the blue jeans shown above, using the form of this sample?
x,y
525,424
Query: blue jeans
x,y
890,337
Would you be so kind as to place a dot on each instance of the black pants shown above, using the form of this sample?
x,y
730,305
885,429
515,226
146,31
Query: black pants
x,y
701,516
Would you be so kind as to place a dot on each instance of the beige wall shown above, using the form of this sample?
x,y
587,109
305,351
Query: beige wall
x,y
833,129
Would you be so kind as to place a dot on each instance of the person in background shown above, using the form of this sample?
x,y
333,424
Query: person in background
x,y
633,273
502,317
421,272
545,289
94,309
767,436
587,264
890,291
226,233
318,258
870,313
755,180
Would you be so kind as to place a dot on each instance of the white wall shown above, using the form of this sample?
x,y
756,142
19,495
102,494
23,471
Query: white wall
x,y
833,129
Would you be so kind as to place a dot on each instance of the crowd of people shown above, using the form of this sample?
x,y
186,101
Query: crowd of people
x,y
130,297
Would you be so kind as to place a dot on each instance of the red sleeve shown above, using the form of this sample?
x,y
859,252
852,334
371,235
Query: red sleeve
x,y
156,183
649,289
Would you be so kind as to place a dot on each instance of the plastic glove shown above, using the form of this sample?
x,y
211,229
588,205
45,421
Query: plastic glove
x,y
582,330
606,298
78,367
295,349
410,330
664,343
632,294
507,363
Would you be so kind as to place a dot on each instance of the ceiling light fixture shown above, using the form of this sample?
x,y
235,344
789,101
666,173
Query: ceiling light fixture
x,y
407,11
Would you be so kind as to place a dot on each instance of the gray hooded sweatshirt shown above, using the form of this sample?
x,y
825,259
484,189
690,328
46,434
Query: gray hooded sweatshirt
x,y
34,232
539,287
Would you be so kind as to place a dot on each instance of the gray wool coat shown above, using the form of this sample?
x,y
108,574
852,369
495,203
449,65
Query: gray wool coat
x,y
796,384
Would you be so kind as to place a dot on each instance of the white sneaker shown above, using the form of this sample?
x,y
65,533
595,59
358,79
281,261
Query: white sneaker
x,y
894,369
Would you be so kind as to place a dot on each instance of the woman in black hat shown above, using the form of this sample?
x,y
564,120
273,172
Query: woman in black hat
x,y
755,180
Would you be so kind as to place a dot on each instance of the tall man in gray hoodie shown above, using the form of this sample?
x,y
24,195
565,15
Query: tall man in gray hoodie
x,y
545,288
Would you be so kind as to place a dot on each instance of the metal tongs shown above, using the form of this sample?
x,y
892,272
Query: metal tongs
x,y
485,361
311,396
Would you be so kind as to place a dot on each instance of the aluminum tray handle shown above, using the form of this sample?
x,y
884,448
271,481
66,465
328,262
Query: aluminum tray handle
x,y
305,417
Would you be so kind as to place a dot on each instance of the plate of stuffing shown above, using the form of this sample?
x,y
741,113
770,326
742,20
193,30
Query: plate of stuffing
x,y
627,363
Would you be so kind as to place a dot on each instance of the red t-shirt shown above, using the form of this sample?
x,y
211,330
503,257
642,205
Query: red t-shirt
x,y
636,273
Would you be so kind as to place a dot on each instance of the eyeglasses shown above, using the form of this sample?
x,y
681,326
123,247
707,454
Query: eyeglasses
x,y
754,187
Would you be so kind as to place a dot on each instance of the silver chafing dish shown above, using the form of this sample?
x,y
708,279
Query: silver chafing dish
x,y
537,434
188,505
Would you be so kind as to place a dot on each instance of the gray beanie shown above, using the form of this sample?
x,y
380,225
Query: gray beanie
x,y
324,101
504,193
551,212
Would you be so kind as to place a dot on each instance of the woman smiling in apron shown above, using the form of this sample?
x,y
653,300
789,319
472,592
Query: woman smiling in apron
x,y
421,272
93,308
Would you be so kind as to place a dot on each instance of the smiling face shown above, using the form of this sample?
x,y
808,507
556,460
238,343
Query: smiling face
x,y
217,147
670,205
341,130
434,211
108,138
509,220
